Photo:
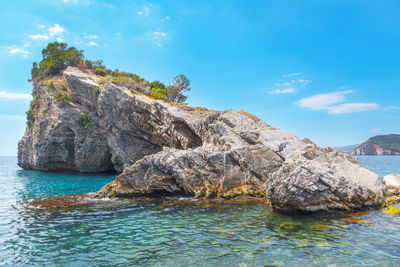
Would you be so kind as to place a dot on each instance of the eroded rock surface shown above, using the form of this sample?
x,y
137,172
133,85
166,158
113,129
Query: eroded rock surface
x,y
162,148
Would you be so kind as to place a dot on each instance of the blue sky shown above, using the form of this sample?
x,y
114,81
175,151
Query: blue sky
x,y
326,70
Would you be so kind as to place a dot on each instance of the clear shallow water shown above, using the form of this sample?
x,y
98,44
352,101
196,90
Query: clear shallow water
x,y
75,232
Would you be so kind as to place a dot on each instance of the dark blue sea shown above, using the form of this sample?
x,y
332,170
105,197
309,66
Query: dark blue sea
x,y
40,226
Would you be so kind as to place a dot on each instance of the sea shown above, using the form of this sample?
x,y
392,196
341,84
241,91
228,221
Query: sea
x,y
52,219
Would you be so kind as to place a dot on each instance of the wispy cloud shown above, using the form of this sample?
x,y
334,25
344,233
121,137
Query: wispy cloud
x,y
282,91
156,23
12,117
145,11
39,37
292,74
14,50
283,84
90,36
93,44
333,103
81,2
59,39
352,107
289,84
392,108
376,130
159,36
14,96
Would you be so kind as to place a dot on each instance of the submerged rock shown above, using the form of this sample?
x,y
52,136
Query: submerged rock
x,y
392,211
172,149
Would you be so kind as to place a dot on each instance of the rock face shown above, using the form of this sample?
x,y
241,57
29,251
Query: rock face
x,y
162,148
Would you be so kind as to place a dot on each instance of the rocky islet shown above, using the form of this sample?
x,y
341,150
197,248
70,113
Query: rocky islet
x,y
164,148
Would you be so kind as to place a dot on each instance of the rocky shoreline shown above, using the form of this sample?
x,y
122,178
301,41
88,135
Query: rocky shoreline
x,y
171,149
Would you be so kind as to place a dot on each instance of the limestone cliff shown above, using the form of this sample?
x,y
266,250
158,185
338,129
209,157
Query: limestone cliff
x,y
172,149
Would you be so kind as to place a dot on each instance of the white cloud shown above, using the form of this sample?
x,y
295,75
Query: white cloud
x,y
93,44
70,1
39,37
16,50
282,91
323,101
283,84
331,102
13,96
352,107
60,40
55,30
292,74
139,13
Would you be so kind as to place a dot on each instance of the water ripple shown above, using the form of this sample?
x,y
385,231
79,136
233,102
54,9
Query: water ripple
x,y
37,227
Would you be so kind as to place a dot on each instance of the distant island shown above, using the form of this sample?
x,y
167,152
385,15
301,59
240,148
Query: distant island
x,y
380,145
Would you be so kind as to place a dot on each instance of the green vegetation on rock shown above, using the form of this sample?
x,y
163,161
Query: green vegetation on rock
x,y
30,115
56,57
83,120
100,72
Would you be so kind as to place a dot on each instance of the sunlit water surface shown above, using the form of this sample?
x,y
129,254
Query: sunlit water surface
x,y
79,231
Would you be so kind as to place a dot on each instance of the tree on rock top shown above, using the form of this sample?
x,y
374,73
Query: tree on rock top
x,y
179,85
56,57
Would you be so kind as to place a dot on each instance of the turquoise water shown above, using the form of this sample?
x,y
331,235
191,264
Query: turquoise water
x,y
80,231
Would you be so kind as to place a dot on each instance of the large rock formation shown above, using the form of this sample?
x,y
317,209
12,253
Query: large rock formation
x,y
162,148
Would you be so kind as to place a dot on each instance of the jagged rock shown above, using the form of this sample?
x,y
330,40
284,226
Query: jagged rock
x,y
313,179
163,148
